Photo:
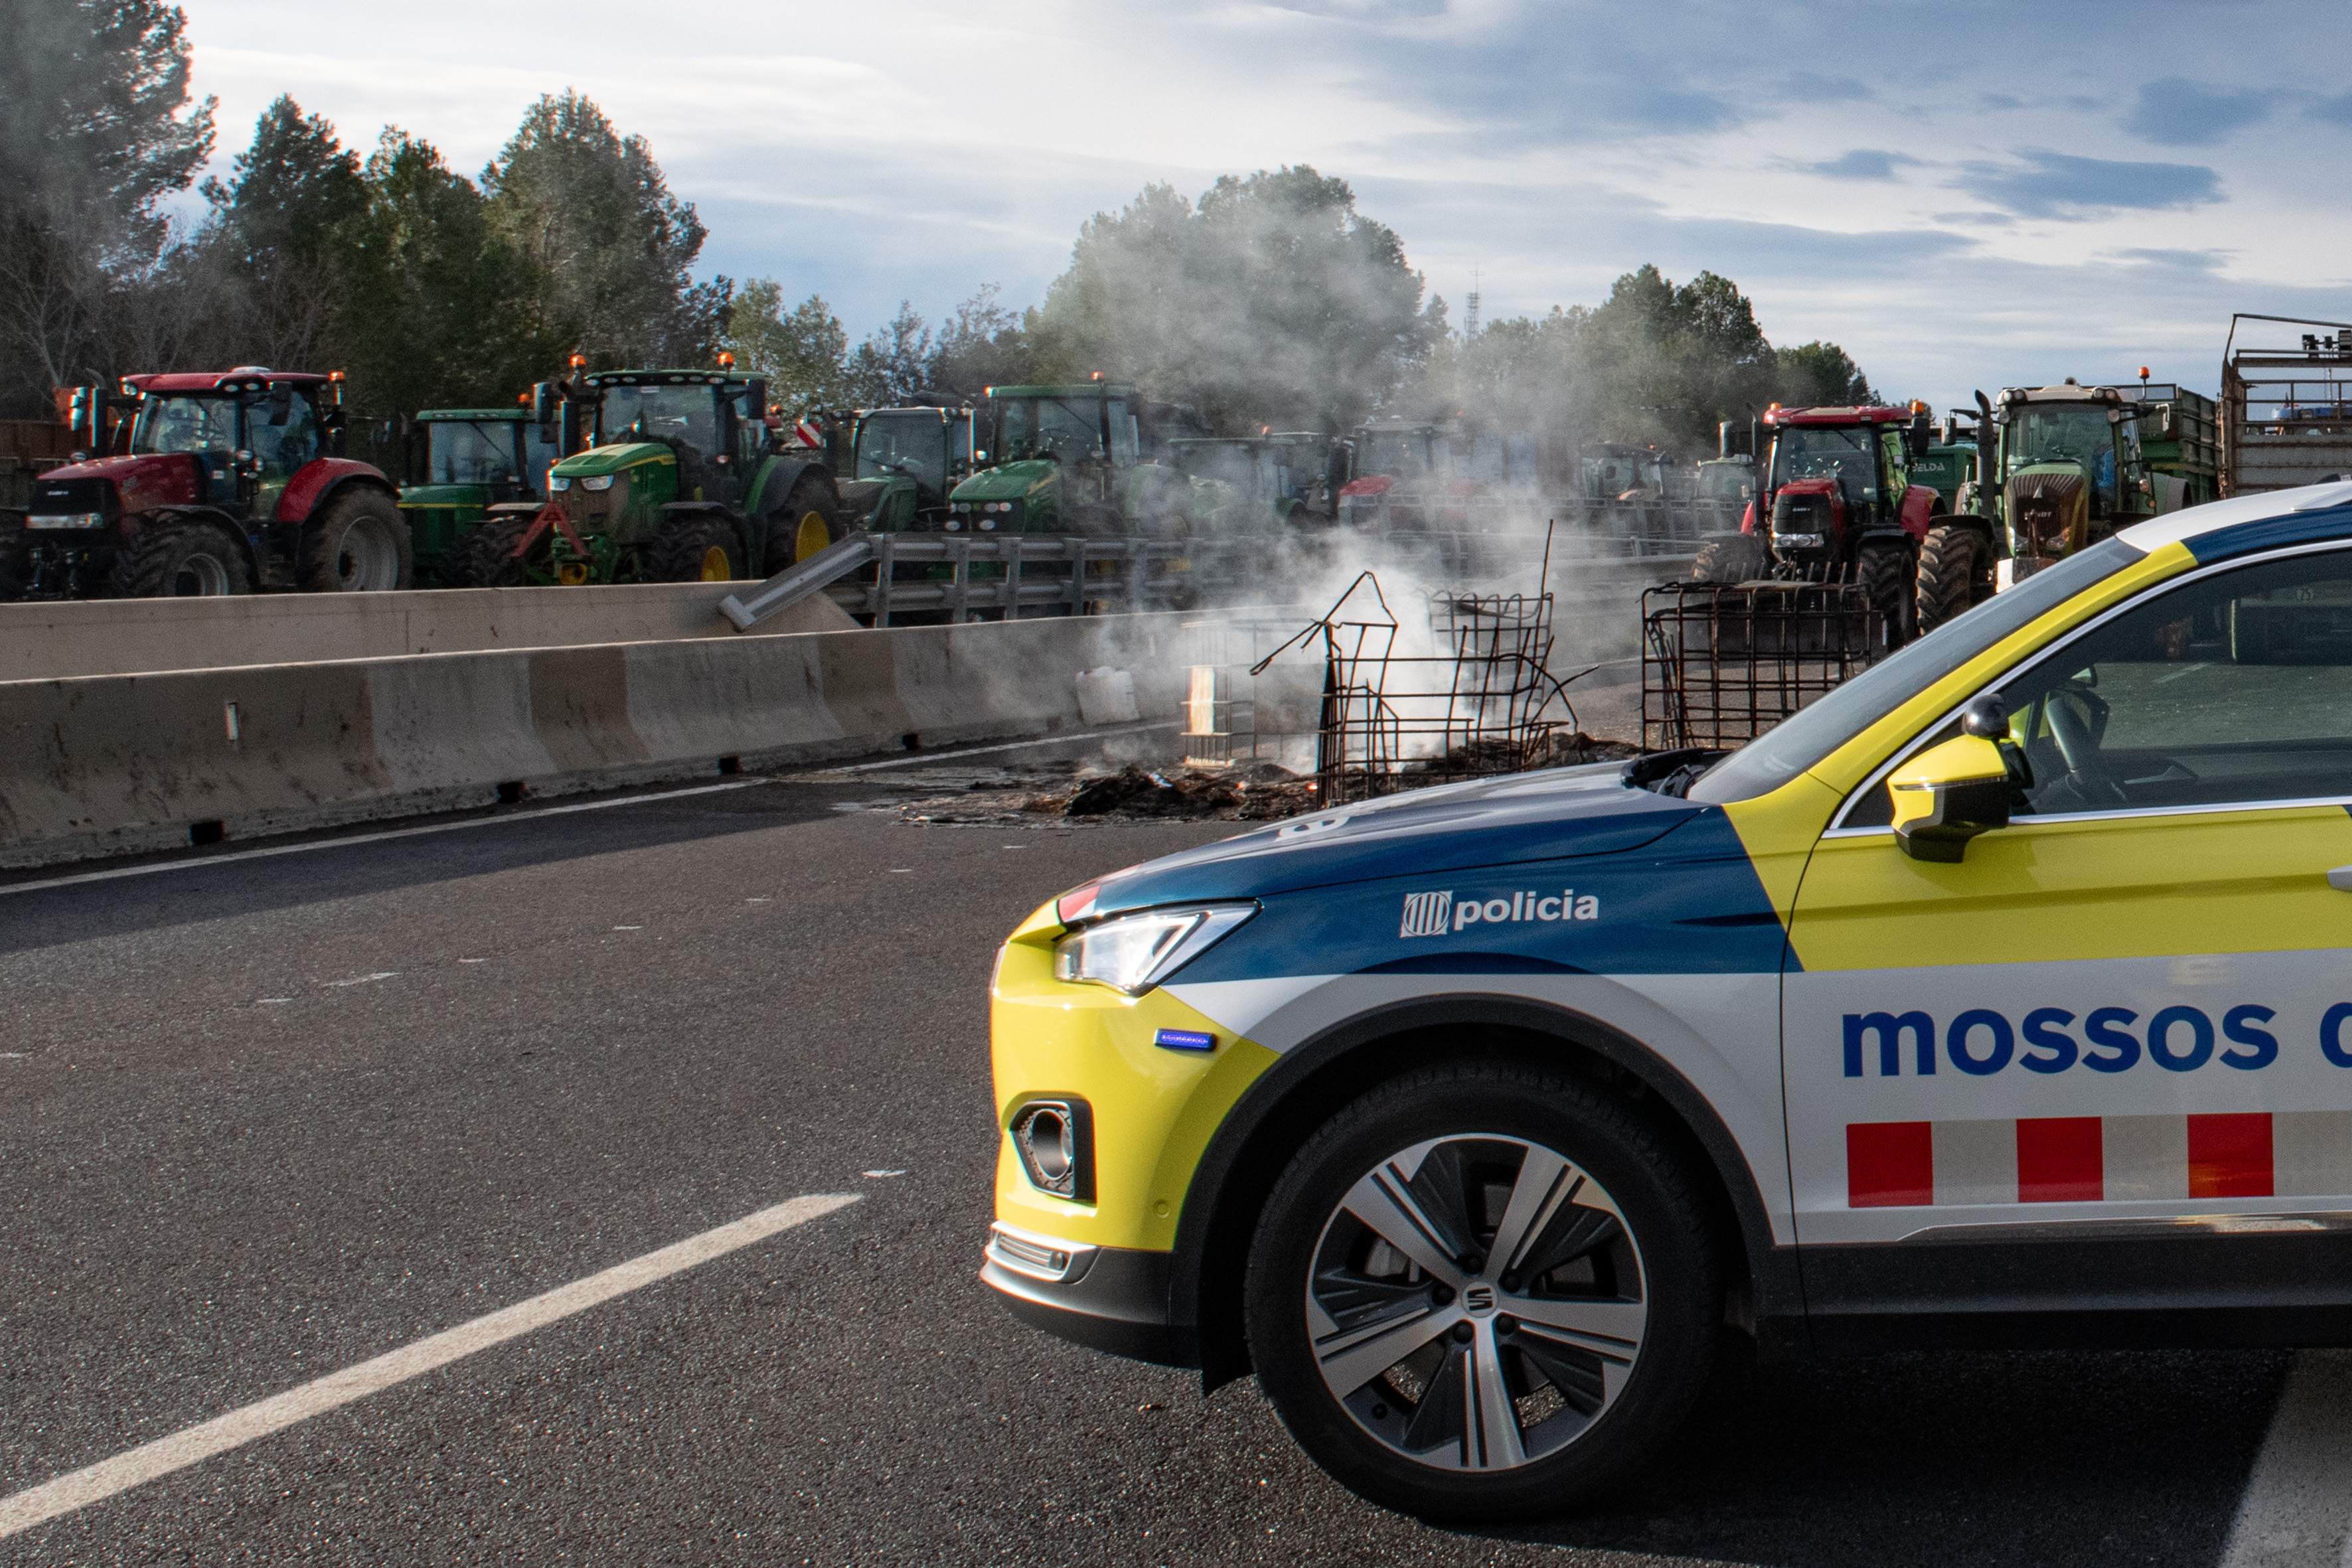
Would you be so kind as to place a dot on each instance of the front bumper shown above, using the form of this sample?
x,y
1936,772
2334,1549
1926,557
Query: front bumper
x,y
1111,1299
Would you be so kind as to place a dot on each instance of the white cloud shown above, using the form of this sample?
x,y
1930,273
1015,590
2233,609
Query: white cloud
x,y
914,148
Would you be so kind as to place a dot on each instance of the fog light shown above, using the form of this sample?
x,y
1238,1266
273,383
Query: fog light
x,y
1054,1140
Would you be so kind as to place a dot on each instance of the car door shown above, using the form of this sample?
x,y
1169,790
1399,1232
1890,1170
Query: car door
x,y
2125,1018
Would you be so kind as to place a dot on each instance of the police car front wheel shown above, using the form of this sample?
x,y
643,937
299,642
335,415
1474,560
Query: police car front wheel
x,y
1483,1293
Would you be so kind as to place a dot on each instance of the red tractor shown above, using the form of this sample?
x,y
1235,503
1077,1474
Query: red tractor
x,y
232,482
1837,505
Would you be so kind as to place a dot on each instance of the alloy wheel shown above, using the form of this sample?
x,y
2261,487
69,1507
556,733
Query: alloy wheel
x,y
1476,1302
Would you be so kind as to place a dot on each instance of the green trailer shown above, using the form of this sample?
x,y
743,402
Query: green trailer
x,y
468,465
682,480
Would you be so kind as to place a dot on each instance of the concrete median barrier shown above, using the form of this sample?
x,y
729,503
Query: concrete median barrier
x,y
110,764
126,636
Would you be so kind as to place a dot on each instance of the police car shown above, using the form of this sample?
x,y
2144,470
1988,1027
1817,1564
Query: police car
x,y
2002,996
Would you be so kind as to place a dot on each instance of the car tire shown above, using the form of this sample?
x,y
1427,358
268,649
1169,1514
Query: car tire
x,y
1600,1349
1955,572
195,559
358,543
699,547
1739,559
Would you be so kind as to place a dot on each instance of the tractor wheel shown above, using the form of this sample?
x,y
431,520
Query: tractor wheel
x,y
1883,567
699,547
358,545
1739,559
809,520
489,558
194,559
1955,572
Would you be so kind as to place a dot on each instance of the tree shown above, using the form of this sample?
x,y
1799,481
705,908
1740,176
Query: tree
x,y
96,129
613,251
274,227
893,362
1273,299
984,344
802,351
436,305
1821,372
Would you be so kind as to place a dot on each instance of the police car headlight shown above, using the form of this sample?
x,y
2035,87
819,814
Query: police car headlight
x,y
1135,952
598,482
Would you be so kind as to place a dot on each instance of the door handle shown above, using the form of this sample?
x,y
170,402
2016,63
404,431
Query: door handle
x,y
2340,878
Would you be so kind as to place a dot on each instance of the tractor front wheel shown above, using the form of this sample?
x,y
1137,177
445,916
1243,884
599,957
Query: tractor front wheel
x,y
358,544
1739,559
1955,572
1883,567
809,520
191,560
490,559
697,548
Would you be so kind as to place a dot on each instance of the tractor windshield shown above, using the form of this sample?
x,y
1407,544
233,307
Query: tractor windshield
x,y
687,414
1725,481
185,425
913,445
1227,462
1402,453
469,452
1846,453
1067,428
2064,433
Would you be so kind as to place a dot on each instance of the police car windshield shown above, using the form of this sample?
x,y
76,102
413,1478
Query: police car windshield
x,y
1803,739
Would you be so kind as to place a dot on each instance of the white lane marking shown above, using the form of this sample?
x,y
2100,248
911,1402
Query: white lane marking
x,y
920,758
136,1467
2296,1510
365,979
270,849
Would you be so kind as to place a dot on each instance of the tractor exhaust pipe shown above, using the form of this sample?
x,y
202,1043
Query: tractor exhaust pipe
x,y
1987,440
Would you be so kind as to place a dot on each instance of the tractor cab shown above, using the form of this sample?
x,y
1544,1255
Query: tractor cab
x,y
464,465
1725,481
1246,481
1058,458
1617,471
1398,463
1835,477
2069,470
904,461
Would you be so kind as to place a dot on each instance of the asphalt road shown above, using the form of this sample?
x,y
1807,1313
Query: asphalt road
x,y
264,1119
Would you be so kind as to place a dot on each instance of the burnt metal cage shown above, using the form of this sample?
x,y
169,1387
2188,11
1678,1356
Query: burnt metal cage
x,y
1723,662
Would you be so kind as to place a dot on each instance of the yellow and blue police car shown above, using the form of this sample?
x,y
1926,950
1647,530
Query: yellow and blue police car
x,y
2003,995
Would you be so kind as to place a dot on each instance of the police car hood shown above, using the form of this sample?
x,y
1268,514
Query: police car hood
x,y
1555,814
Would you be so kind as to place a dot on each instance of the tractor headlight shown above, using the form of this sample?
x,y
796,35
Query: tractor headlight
x,y
557,483
598,482
1134,953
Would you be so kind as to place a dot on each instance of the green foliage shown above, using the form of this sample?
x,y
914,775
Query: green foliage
x,y
1656,363
1272,300
96,129
892,362
613,250
436,305
289,192
800,350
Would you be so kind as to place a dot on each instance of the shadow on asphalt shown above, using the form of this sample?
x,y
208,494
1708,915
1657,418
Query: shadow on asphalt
x,y
52,917
1949,1458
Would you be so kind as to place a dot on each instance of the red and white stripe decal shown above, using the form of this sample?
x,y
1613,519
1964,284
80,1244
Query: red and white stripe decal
x,y
2098,1159
808,435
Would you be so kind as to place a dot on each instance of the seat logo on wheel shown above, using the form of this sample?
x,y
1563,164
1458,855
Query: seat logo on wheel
x,y
1479,1298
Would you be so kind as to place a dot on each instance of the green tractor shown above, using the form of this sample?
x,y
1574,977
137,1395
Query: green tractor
x,y
905,461
468,465
1067,460
2066,470
681,481
1242,485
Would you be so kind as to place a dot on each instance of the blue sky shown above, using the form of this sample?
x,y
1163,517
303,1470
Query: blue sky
x,y
1962,193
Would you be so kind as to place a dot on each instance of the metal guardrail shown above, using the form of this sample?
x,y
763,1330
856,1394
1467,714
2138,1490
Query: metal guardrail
x,y
882,578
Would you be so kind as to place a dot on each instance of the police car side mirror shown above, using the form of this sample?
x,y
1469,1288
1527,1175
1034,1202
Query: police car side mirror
x,y
1949,793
